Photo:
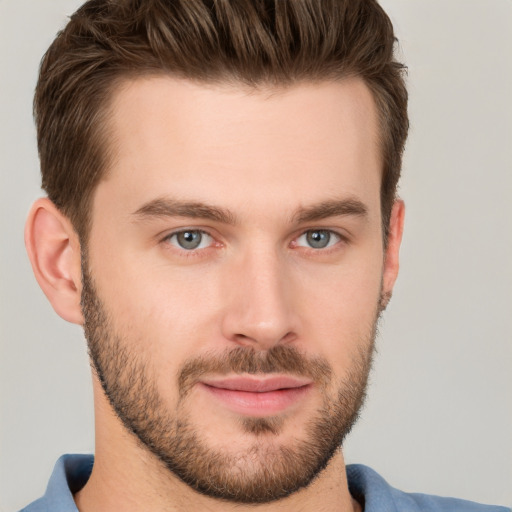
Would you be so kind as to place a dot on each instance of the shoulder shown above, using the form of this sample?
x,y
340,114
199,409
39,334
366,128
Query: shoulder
x,y
370,488
439,504
36,506
70,474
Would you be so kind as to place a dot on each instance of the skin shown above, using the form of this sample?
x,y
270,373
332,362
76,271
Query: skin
x,y
262,156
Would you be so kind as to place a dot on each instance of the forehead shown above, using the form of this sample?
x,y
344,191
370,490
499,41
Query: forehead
x,y
226,143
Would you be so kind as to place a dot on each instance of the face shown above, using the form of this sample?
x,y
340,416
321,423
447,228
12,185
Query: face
x,y
233,277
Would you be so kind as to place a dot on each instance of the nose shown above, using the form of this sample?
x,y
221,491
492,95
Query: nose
x,y
259,309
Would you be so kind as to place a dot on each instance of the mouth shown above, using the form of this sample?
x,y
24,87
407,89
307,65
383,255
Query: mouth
x,y
258,396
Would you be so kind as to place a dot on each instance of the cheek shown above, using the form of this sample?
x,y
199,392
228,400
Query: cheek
x,y
154,311
341,311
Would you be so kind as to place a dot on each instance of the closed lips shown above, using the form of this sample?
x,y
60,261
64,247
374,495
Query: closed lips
x,y
257,385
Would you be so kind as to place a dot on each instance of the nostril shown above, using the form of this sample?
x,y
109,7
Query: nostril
x,y
264,341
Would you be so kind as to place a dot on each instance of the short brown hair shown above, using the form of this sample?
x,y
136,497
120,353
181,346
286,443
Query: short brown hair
x,y
252,42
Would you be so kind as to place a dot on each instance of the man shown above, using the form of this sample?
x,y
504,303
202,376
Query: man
x,y
221,218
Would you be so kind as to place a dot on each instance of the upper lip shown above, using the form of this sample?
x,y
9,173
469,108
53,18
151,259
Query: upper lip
x,y
257,384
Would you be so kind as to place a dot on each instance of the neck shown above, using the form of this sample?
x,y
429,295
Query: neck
x,y
126,476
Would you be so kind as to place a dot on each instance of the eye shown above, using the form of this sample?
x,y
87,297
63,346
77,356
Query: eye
x,y
318,239
190,239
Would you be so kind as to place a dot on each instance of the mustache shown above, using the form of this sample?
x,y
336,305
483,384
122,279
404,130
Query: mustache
x,y
278,359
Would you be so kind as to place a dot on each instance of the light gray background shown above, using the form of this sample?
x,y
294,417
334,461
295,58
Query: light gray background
x,y
439,416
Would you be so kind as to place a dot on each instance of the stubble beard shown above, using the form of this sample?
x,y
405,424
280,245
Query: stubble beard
x,y
269,470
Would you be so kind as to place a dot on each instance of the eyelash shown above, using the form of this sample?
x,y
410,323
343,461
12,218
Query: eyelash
x,y
190,253
330,233
198,252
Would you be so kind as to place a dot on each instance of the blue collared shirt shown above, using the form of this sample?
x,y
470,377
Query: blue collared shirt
x,y
72,472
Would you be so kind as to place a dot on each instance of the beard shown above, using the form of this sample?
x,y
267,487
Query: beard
x,y
266,471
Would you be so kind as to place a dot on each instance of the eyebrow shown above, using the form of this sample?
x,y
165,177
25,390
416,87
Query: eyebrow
x,y
166,207
331,208
192,209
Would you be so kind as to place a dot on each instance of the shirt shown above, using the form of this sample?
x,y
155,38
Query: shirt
x,y
71,473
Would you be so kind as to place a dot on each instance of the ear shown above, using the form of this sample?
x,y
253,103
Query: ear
x,y
54,251
391,257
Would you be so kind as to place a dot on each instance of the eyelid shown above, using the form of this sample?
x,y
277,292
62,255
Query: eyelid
x,y
167,238
340,236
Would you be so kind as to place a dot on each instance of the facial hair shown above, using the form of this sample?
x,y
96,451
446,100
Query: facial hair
x,y
269,470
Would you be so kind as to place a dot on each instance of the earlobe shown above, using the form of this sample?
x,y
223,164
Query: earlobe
x,y
54,251
391,261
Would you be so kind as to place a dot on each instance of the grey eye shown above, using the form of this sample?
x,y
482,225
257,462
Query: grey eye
x,y
190,239
318,239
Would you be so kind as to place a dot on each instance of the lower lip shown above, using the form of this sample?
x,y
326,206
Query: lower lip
x,y
258,404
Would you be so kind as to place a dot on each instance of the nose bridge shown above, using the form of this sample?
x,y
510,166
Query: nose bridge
x,y
260,312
